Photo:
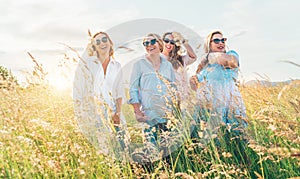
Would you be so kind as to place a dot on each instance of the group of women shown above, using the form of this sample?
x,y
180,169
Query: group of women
x,y
159,84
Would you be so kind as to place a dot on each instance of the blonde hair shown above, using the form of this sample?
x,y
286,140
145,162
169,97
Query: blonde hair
x,y
91,46
158,39
208,40
207,49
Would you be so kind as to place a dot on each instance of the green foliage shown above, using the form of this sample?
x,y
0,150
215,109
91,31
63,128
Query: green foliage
x,y
6,78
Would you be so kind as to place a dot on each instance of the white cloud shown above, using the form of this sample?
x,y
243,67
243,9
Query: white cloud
x,y
38,24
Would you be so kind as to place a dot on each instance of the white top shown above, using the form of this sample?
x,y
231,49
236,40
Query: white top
x,y
109,87
181,76
93,91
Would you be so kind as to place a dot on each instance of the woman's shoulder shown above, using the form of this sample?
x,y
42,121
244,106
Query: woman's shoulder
x,y
115,62
163,56
89,60
140,59
233,52
165,61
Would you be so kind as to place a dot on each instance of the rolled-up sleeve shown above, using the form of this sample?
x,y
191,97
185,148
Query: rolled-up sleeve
x,y
173,78
135,84
118,85
82,86
78,85
235,54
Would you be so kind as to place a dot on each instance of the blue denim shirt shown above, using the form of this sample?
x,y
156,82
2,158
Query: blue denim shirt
x,y
152,89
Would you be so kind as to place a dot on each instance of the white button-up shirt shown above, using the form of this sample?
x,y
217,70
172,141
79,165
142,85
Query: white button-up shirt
x,y
92,90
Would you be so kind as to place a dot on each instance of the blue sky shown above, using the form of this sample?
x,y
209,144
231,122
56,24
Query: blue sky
x,y
262,32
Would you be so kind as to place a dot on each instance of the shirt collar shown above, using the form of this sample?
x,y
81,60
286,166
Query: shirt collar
x,y
112,60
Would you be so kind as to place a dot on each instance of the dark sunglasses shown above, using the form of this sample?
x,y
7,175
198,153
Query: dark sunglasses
x,y
104,40
147,43
217,41
166,40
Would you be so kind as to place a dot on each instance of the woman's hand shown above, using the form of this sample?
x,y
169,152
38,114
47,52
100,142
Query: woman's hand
x,y
213,57
194,82
177,38
140,116
116,119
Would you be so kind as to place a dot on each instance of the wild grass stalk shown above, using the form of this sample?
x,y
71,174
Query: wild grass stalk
x,y
39,138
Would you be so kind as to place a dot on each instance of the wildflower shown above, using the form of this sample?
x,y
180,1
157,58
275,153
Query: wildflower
x,y
227,154
81,172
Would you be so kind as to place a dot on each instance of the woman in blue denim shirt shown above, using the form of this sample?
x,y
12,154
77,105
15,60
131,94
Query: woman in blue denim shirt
x,y
219,99
151,84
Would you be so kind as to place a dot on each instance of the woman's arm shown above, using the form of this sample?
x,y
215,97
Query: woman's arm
x,y
192,57
116,115
135,84
134,93
224,59
79,86
118,93
190,52
139,115
202,63
194,82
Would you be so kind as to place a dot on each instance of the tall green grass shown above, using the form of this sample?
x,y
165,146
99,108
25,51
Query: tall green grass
x,y
40,139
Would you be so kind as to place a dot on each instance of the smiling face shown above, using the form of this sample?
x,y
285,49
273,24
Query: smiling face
x,y
217,43
102,44
151,45
168,43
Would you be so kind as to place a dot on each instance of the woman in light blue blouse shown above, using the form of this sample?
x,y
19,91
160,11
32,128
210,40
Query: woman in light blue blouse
x,y
220,101
151,84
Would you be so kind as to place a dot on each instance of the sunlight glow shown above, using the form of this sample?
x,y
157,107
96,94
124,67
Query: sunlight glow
x,y
60,82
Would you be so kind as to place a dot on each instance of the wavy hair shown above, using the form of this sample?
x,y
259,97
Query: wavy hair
x,y
92,49
175,58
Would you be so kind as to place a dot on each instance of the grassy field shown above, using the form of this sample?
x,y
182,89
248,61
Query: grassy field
x,y
39,138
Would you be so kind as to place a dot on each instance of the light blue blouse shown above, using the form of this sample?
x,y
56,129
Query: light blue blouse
x,y
152,89
219,89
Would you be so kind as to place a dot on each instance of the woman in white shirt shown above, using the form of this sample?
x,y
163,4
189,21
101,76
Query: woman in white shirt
x,y
97,92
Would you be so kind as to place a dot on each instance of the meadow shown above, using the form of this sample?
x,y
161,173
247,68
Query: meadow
x,y
39,138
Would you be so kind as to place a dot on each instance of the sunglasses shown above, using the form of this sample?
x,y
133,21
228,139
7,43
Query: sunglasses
x,y
217,41
147,43
104,40
166,40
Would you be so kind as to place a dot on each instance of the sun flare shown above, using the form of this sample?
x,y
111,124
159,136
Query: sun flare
x,y
60,82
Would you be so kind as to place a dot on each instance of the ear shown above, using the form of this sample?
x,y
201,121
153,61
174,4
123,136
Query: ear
x,y
94,48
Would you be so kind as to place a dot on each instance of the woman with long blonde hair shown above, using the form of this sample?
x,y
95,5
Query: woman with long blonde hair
x,y
219,99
